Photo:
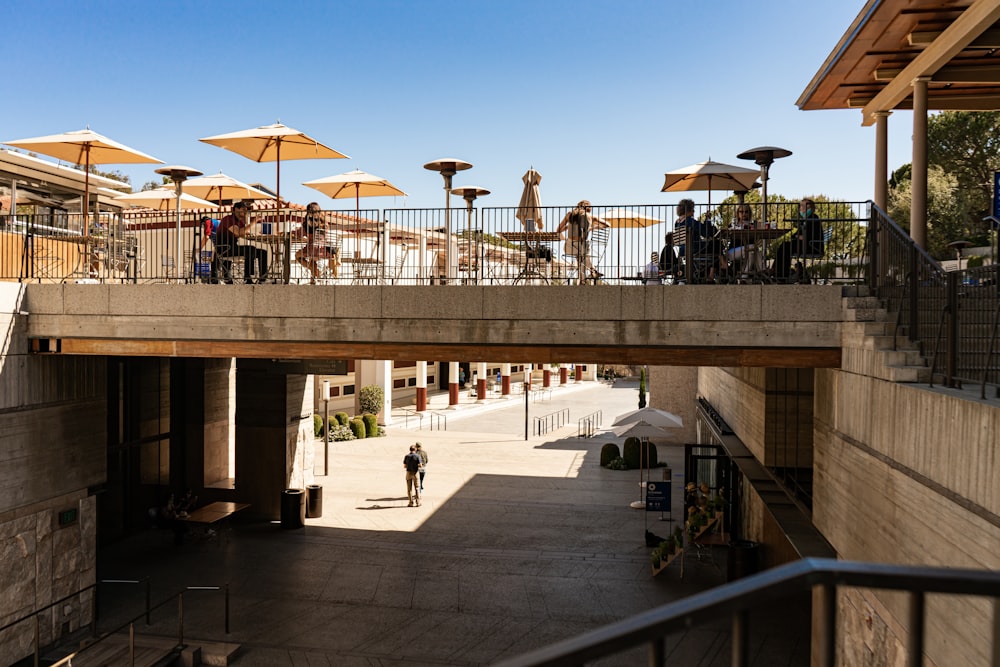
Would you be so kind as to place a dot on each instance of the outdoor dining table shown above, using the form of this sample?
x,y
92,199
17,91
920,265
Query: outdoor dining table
x,y
532,243
758,238
366,269
280,248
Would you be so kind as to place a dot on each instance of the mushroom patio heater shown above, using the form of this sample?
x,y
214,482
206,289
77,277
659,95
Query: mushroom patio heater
x,y
178,174
764,156
447,167
470,193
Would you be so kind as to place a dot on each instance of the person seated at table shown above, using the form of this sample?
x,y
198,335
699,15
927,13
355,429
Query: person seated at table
x,y
651,274
232,228
575,228
317,246
806,240
704,245
669,266
741,247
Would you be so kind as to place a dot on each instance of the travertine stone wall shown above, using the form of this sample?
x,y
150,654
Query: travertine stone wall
x,y
219,407
52,447
674,388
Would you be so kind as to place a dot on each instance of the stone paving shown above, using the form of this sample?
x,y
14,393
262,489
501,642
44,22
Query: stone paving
x,y
517,544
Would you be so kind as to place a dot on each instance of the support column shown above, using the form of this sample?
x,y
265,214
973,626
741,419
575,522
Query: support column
x,y
918,182
377,372
882,159
480,382
546,377
452,384
577,373
505,380
563,375
421,386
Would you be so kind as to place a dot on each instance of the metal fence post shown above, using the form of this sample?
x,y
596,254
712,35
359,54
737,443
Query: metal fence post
x,y
951,337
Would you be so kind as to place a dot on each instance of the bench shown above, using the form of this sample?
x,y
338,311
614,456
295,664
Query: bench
x,y
212,515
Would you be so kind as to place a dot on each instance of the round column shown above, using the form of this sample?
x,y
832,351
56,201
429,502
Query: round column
x,y
546,377
505,380
452,384
480,382
577,373
421,386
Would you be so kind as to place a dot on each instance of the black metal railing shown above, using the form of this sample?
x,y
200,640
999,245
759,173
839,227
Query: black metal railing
x,y
738,599
551,421
587,426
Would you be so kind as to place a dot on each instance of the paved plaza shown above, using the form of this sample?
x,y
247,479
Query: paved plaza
x,y
517,544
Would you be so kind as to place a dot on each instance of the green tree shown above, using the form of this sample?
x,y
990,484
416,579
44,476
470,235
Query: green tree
x,y
642,388
948,208
371,398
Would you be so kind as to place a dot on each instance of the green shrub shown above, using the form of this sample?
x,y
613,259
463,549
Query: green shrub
x,y
371,399
630,452
340,433
332,424
642,388
371,425
342,418
609,452
317,425
617,463
358,428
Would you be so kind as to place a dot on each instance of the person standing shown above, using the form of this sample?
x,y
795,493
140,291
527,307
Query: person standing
x,y
422,453
576,225
412,464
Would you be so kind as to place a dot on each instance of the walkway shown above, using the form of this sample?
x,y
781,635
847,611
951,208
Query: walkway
x,y
517,544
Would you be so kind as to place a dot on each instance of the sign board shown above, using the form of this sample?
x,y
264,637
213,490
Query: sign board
x,y
996,194
658,496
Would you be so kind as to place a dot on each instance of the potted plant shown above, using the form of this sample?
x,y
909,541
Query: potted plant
x,y
655,558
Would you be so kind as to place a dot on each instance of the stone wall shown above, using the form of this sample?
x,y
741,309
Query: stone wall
x,y
53,425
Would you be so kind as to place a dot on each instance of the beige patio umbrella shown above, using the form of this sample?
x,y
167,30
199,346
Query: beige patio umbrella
x,y
164,199
273,143
653,416
84,147
530,205
623,218
220,186
708,176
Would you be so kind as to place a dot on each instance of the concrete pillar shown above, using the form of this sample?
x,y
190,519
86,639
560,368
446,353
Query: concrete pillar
x,y
480,382
918,183
546,377
563,375
377,372
504,380
274,435
577,373
421,383
452,384
882,159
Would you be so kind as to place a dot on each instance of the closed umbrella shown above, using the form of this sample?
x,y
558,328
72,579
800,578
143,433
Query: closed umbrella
x,y
530,205
84,147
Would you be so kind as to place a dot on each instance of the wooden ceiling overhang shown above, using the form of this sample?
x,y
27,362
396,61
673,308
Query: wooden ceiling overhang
x,y
954,43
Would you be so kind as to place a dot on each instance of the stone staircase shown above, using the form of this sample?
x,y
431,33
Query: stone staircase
x,y
869,346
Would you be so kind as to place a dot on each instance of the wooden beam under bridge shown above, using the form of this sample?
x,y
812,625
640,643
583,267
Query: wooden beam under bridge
x,y
653,355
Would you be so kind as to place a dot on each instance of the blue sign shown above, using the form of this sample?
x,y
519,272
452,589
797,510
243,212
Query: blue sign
x,y
996,195
658,496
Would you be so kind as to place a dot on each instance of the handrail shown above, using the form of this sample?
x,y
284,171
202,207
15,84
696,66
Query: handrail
x,y
406,418
130,624
435,420
587,425
551,421
737,598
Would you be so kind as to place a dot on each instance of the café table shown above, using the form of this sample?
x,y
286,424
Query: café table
x,y
532,257
755,242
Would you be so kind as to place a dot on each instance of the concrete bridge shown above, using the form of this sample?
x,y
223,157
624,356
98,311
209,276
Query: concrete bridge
x,y
777,326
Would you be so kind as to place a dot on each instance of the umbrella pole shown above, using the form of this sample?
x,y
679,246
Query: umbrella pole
x,y
287,268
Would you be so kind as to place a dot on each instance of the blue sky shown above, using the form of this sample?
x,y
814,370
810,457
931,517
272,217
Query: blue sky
x,y
601,97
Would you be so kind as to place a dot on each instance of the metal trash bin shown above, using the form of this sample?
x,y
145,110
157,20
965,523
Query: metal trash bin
x,y
293,508
314,501
743,559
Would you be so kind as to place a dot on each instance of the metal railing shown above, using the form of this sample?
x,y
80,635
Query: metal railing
x,y
953,316
389,247
550,422
587,426
435,421
738,599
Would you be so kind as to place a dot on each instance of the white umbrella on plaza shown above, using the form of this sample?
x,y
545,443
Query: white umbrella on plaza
x,y
654,416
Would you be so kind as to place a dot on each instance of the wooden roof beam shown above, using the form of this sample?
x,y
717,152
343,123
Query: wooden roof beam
x,y
985,74
973,22
924,38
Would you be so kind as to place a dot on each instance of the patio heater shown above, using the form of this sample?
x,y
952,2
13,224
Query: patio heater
x,y
447,167
764,156
178,174
470,193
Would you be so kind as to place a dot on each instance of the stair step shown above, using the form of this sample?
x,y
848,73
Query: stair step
x,y
855,328
908,373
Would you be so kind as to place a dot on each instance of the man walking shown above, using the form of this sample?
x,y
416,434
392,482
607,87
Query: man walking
x,y
412,464
422,453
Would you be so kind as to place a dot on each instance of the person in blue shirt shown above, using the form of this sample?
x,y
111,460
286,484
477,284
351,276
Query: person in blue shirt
x,y
703,243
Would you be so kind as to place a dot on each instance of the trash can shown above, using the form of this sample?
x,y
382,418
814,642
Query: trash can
x,y
314,501
743,559
293,508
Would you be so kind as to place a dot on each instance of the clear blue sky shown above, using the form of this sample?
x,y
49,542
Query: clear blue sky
x,y
600,96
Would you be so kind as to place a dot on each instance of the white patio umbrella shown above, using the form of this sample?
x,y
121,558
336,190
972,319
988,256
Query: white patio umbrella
x,y
644,430
84,147
164,199
654,416
220,186
708,176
